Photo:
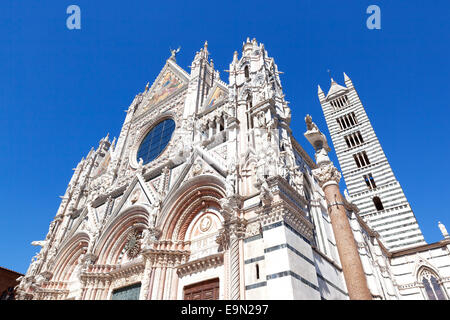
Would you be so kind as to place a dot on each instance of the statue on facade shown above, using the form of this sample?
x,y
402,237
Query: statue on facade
x,y
298,181
140,168
154,210
265,195
443,230
34,264
40,243
173,53
231,179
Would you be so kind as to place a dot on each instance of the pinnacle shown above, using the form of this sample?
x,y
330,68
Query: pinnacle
x,y
346,78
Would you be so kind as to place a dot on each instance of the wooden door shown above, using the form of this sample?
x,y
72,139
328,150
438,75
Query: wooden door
x,y
206,290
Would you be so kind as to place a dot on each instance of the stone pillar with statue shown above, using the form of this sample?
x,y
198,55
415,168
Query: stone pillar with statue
x,y
328,177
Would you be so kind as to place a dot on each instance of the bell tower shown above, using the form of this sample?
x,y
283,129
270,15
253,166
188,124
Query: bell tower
x,y
371,183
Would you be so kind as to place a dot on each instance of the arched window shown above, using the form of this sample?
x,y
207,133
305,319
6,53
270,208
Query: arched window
x,y
377,203
432,287
247,73
249,110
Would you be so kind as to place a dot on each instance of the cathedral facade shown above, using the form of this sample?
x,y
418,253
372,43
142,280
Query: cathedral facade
x,y
206,194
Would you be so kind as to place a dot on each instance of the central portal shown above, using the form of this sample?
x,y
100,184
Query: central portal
x,y
205,290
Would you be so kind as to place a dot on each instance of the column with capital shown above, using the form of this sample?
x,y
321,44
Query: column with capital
x,y
328,177
230,238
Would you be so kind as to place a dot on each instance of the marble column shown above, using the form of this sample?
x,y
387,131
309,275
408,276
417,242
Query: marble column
x,y
230,237
146,279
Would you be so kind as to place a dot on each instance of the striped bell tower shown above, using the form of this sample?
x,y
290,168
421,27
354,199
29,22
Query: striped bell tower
x,y
371,183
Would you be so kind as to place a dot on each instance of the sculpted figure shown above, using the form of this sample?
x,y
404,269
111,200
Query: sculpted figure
x,y
34,264
39,243
310,125
443,230
261,119
231,178
173,53
145,238
140,167
265,195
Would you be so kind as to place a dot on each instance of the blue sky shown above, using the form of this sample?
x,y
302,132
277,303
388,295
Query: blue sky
x,y
62,90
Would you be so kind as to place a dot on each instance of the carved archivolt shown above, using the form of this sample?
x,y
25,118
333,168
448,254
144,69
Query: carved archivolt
x,y
113,238
68,257
182,207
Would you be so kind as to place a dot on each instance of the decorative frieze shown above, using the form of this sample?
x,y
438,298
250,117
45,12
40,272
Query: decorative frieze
x,y
200,265
292,216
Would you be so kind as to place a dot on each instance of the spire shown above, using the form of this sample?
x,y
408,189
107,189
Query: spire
x,y
235,57
348,81
205,49
319,90
346,78
320,93
247,46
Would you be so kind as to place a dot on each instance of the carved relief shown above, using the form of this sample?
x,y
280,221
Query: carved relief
x,y
133,244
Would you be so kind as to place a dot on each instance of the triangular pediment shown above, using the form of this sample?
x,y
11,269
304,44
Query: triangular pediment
x,y
80,223
199,163
171,80
137,193
335,90
200,167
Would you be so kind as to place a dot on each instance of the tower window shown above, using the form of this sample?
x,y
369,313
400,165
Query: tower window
x,y
347,121
354,139
361,159
378,204
257,271
340,102
369,181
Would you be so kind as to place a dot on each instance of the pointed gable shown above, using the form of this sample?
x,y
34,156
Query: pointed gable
x,y
168,84
218,94
170,81
138,193
335,89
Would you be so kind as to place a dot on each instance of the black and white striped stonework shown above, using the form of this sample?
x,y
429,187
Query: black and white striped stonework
x,y
370,181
